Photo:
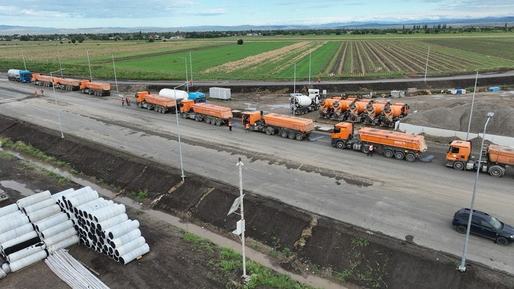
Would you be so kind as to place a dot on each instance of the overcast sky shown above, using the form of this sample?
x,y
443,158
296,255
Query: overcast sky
x,y
179,13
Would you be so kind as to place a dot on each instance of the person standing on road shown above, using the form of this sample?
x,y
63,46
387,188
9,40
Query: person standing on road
x,y
370,151
230,124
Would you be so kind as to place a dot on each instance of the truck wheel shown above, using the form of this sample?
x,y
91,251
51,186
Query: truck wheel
x,y
496,171
283,133
410,157
163,110
458,166
502,241
291,135
340,144
299,136
218,122
388,153
365,148
461,229
269,131
399,155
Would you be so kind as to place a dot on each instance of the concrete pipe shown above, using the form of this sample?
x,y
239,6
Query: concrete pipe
x,y
2,274
76,193
16,232
19,239
12,221
25,252
129,247
57,229
127,258
64,244
108,212
104,225
81,199
122,240
44,213
121,229
51,221
27,261
8,210
59,237
6,268
39,205
58,196
35,198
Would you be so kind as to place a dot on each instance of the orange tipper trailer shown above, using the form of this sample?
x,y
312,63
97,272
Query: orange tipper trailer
x,y
95,88
392,144
42,80
210,113
151,101
495,161
69,84
273,123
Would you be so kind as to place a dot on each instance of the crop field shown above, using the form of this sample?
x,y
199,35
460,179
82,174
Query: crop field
x,y
271,58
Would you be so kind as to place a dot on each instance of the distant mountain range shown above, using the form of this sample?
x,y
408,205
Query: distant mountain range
x,y
487,21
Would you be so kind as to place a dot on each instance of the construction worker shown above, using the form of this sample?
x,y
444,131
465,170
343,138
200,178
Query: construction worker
x,y
370,151
230,124
127,100
122,101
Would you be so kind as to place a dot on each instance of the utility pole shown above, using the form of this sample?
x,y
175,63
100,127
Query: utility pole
x,y
115,77
472,106
187,80
89,65
24,62
462,266
55,100
426,65
191,66
60,64
243,227
310,64
177,111
294,79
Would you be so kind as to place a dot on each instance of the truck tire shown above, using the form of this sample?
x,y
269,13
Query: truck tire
x,y
388,153
497,171
299,136
283,133
502,241
340,144
291,135
399,155
458,166
270,131
410,157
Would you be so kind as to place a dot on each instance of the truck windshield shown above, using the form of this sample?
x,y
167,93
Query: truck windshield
x,y
495,223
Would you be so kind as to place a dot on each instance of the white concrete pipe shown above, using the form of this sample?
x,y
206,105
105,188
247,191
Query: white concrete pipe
x,y
63,244
59,237
104,225
39,205
6,268
83,198
24,253
122,228
54,230
132,235
127,258
2,274
50,221
29,260
129,247
44,213
12,221
108,212
76,193
35,198
59,195
8,210
18,240
16,232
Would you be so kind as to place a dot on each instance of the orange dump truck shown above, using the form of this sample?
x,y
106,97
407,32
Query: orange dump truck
x,y
158,103
373,111
42,80
392,144
273,123
392,113
210,113
95,88
69,84
495,160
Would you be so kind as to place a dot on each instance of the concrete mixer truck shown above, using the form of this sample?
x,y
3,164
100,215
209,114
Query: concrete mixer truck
x,y
302,104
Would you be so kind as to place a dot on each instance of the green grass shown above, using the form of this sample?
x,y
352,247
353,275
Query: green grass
x,y
140,196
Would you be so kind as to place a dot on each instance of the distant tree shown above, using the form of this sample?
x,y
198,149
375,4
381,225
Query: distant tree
x,y
240,42
151,40
73,40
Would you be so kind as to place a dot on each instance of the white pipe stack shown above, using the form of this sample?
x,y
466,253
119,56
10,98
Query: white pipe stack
x,y
102,225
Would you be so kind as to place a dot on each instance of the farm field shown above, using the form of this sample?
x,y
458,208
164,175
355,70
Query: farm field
x,y
272,58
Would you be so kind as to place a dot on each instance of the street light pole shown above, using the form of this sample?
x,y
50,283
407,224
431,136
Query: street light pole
x,y
310,64
426,65
191,67
462,266
243,226
472,106
115,77
89,65
55,100
177,111
24,62
294,79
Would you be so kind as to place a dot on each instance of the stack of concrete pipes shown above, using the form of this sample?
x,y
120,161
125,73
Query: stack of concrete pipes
x,y
32,228
103,225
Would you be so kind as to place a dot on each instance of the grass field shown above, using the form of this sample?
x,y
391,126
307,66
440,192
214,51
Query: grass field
x,y
272,58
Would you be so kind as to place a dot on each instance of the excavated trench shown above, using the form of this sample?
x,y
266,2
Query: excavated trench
x,y
352,254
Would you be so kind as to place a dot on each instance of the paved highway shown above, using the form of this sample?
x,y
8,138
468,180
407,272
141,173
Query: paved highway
x,y
393,197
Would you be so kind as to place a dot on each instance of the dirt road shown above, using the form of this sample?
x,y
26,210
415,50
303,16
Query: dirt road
x,y
394,197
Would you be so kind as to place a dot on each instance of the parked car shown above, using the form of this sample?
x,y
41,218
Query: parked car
x,y
484,225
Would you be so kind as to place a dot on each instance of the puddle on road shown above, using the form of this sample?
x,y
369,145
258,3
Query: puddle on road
x,y
16,186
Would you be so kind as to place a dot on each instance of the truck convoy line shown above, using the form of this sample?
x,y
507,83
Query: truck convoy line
x,y
391,144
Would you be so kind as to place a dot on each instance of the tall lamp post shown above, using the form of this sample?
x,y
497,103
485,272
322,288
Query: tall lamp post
x,y
55,100
177,111
462,266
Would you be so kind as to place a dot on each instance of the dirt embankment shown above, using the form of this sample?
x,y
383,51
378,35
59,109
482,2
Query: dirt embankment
x,y
350,253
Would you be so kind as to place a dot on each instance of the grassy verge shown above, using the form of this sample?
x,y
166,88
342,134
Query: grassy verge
x,y
30,151
230,264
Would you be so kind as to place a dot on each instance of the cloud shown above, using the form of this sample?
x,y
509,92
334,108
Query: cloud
x,y
211,12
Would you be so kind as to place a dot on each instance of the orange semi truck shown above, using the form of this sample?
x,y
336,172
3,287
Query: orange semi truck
x,y
392,144
210,113
69,84
42,80
495,161
273,123
95,88
158,103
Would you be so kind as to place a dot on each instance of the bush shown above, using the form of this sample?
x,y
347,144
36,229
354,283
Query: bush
x,y
240,42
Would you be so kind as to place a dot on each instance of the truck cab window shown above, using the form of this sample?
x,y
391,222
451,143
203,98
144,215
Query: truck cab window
x,y
454,150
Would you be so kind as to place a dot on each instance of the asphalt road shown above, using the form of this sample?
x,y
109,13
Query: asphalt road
x,y
393,197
